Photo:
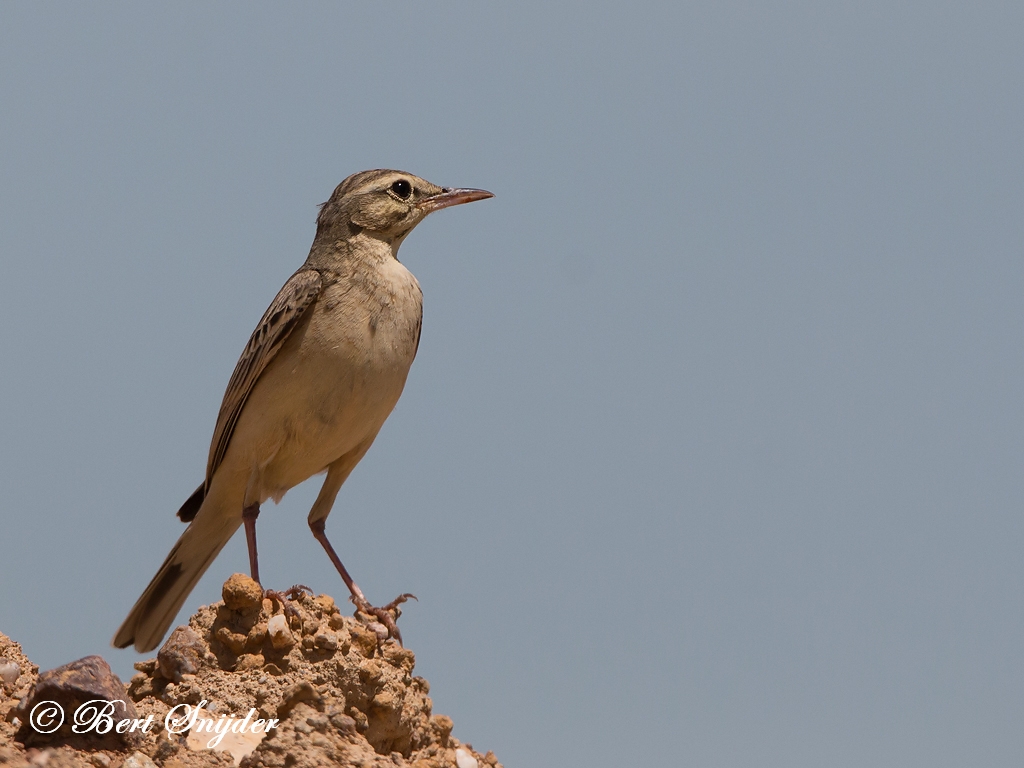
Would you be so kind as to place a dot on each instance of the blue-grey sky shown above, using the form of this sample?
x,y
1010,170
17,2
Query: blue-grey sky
x,y
712,454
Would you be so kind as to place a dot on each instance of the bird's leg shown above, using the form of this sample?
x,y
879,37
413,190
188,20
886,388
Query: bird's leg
x,y
249,515
386,615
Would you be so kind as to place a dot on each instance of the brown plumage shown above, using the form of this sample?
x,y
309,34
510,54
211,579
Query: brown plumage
x,y
320,374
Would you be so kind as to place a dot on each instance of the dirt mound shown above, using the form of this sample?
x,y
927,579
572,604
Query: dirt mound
x,y
266,687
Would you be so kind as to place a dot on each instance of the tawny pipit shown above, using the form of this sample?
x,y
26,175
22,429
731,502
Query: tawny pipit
x,y
320,374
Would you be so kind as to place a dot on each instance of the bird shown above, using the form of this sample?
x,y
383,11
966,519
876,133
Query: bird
x,y
321,372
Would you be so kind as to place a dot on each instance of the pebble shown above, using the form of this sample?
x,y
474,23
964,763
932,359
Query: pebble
x,y
85,679
9,672
233,641
249,661
464,759
318,722
138,760
181,655
327,641
280,635
343,722
241,593
326,603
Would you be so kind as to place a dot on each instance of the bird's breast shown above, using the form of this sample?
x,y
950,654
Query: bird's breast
x,y
333,384
349,368
371,323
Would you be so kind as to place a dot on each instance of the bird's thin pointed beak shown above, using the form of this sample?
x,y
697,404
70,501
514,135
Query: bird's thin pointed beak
x,y
450,197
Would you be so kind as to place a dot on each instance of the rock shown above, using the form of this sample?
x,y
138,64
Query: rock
x,y
363,640
41,758
442,725
249,661
242,594
139,760
258,633
10,695
339,700
181,654
237,743
280,635
326,641
302,691
9,672
61,694
233,641
326,603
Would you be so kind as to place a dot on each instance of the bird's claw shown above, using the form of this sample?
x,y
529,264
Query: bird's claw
x,y
286,597
385,626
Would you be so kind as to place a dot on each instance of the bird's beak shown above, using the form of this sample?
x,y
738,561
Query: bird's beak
x,y
450,197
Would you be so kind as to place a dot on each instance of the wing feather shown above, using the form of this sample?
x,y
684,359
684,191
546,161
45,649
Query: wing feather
x,y
281,317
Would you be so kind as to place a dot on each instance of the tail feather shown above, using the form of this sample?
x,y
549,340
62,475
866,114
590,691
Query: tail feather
x,y
191,507
153,612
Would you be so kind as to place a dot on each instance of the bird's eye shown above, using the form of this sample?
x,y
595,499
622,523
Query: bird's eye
x,y
402,188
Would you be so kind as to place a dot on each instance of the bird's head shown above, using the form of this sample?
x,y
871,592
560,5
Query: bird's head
x,y
388,204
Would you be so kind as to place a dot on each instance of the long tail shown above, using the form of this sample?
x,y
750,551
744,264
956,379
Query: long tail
x,y
202,541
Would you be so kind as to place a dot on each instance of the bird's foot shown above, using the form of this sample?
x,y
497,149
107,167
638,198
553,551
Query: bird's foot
x,y
382,621
286,597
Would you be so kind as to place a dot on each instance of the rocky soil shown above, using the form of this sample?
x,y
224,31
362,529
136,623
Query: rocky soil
x,y
338,693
